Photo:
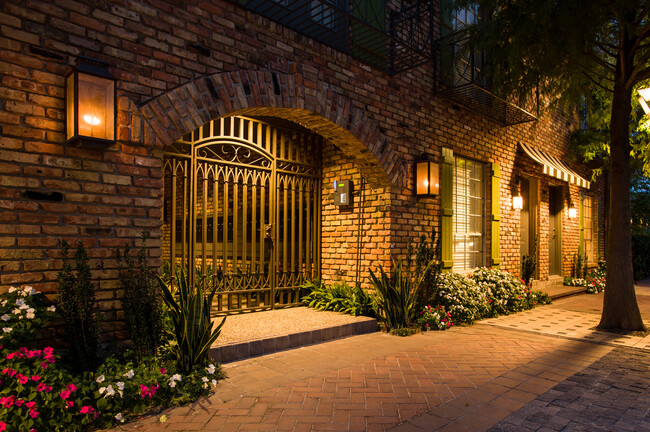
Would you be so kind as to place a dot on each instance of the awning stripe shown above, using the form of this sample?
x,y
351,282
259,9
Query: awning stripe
x,y
555,167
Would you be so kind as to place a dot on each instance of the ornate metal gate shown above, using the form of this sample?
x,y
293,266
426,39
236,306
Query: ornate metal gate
x,y
242,211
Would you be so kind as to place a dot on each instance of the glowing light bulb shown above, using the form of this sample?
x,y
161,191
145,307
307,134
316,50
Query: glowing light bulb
x,y
426,183
91,119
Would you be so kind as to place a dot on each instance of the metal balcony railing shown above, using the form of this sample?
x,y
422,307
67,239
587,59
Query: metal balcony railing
x,y
462,80
391,36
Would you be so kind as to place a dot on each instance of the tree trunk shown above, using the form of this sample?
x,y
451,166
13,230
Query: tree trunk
x,y
620,308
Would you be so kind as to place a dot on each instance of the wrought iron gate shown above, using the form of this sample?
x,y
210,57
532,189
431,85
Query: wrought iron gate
x,y
242,211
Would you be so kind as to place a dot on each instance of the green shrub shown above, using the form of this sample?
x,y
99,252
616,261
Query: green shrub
x,y
506,293
579,269
142,302
194,332
424,258
464,299
79,310
338,298
395,297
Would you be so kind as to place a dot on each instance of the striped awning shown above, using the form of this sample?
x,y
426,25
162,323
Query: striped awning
x,y
554,166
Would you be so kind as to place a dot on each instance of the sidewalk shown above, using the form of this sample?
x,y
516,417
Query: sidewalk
x,y
541,370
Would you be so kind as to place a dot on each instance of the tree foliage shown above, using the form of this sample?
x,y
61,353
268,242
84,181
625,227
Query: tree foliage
x,y
571,50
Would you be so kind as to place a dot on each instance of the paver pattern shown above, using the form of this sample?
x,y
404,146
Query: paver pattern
x,y
506,374
611,394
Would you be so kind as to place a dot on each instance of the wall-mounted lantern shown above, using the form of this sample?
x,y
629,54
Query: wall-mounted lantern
x,y
644,99
517,202
90,104
427,177
573,212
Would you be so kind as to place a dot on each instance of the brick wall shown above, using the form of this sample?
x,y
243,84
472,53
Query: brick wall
x,y
181,64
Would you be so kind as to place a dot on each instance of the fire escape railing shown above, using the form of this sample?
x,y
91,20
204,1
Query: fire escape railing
x,y
391,36
462,80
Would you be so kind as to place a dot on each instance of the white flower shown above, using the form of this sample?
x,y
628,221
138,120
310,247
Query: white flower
x,y
29,290
30,315
101,390
214,382
110,391
175,377
20,303
120,385
210,368
205,386
31,310
100,379
5,317
51,309
13,289
4,302
204,379
16,311
129,374
119,417
172,384
7,329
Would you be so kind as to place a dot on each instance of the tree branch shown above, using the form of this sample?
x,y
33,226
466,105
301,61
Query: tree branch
x,y
602,62
597,83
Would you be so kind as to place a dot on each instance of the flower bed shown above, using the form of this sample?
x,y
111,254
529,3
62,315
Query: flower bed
x,y
39,393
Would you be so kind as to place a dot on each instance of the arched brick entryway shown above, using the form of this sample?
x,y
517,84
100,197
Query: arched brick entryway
x,y
263,93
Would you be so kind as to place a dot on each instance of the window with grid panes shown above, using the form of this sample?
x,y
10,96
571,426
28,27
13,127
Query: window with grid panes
x,y
467,64
469,212
588,227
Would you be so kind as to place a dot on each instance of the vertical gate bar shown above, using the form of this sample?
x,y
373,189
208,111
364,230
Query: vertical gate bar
x,y
193,240
235,222
285,229
185,239
172,248
215,209
317,226
294,226
308,229
254,268
273,216
301,222
232,126
262,225
204,239
224,228
244,220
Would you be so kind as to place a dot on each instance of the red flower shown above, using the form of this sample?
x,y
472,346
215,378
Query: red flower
x,y
71,387
36,378
64,394
86,409
30,404
164,371
22,378
33,413
69,404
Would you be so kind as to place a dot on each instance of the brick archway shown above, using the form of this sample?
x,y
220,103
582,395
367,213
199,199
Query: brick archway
x,y
264,93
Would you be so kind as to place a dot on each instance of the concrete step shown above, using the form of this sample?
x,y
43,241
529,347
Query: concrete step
x,y
284,329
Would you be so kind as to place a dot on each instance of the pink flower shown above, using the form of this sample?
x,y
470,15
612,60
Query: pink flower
x,y
64,394
42,387
9,372
71,387
3,425
36,378
86,409
35,353
70,404
19,402
22,378
30,404
48,351
33,413
7,401
163,370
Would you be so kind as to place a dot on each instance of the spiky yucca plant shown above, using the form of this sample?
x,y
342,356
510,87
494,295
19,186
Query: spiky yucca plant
x,y
194,332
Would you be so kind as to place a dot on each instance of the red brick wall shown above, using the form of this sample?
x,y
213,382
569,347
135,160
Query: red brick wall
x,y
375,126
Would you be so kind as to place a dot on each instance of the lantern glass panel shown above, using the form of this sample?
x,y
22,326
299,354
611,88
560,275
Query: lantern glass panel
x,y
422,169
96,115
70,106
434,179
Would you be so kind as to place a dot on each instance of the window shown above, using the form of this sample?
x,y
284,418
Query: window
x,y
590,218
468,216
465,66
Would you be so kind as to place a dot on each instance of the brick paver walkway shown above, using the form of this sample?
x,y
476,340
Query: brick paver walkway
x,y
465,379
